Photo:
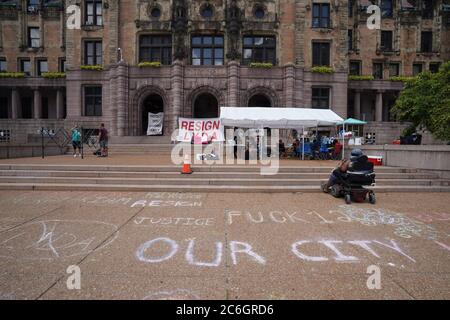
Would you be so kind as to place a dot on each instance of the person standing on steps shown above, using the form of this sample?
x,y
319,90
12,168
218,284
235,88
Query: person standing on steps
x,y
103,140
76,141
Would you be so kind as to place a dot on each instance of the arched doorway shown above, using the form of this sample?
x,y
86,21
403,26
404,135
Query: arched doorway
x,y
152,103
259,100
206,106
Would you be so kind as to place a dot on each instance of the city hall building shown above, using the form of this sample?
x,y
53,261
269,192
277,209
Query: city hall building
x,y
205,54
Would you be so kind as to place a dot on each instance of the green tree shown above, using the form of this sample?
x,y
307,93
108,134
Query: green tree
x,y
425,103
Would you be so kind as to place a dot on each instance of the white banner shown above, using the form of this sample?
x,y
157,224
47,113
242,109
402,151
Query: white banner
x,y
202,131
155,123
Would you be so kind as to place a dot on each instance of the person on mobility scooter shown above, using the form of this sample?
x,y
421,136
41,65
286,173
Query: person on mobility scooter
x,y
350,177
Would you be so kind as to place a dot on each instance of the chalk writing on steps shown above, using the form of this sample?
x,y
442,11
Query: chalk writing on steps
x,y
165,203
173,195
178,221
55,239
404,226
102,199
431,216
443,245
163,249
9,222
177,294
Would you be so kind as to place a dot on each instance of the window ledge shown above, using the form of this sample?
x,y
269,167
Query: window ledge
x,y
323,29
428,54
91,27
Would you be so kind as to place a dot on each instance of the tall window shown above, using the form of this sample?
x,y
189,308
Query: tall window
x,y
62,65
320,98
417,68
155,49
321,54
32,6
3,108
3,65
386,8
259,49
350,8
386,41
394,69
26,107
34,38
207,50
25,66
427,9
93,12
42,66
426,44
93,101
378,70
355,68
92,53
321,15
350,39
434,67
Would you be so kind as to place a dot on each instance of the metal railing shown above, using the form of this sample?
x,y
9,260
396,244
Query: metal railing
x,y
62,138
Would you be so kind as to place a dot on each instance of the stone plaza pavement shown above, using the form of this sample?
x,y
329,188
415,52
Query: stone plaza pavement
x,y
158,245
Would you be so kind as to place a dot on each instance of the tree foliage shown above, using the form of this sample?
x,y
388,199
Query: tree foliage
x,y
425,103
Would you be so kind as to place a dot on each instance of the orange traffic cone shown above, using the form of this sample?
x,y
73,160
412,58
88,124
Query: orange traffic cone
x,y
186,165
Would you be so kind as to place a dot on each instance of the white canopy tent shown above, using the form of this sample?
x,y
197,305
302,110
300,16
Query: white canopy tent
x,y
278,118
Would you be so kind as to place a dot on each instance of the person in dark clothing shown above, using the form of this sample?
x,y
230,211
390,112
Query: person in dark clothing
x,y
336,175
281,148
103,140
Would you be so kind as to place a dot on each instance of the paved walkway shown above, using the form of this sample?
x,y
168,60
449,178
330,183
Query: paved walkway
x,y
221,246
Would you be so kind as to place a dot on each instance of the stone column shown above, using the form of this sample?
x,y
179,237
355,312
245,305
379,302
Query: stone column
x,y
122,97
379,106
289,80
357,105
177,99
59,104
37,104
14,103
233,80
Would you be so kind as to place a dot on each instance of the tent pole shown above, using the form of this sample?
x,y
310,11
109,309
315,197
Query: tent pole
x,y
343,140
303,143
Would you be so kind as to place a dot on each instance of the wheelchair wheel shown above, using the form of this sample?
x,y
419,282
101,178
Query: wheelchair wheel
x,y
372,198
348,198
334,191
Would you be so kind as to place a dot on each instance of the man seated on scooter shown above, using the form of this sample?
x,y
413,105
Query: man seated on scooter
x,y
360,162
340,171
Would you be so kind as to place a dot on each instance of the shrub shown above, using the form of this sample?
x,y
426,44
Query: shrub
x,y
360,78
322,69
266,65
402,79
147,64
12,74
94,68
53,75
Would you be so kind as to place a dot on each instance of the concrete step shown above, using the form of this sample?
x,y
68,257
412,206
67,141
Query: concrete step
x,y
113,140
196,168
206,188
199,175
189,180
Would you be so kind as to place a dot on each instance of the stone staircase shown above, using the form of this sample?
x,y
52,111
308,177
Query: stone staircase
x,y
215,178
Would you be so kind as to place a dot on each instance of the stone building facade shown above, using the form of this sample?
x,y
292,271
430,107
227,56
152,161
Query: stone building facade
x,y
211,54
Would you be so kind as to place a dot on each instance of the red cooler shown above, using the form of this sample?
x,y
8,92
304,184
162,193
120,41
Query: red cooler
x,y
376,160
